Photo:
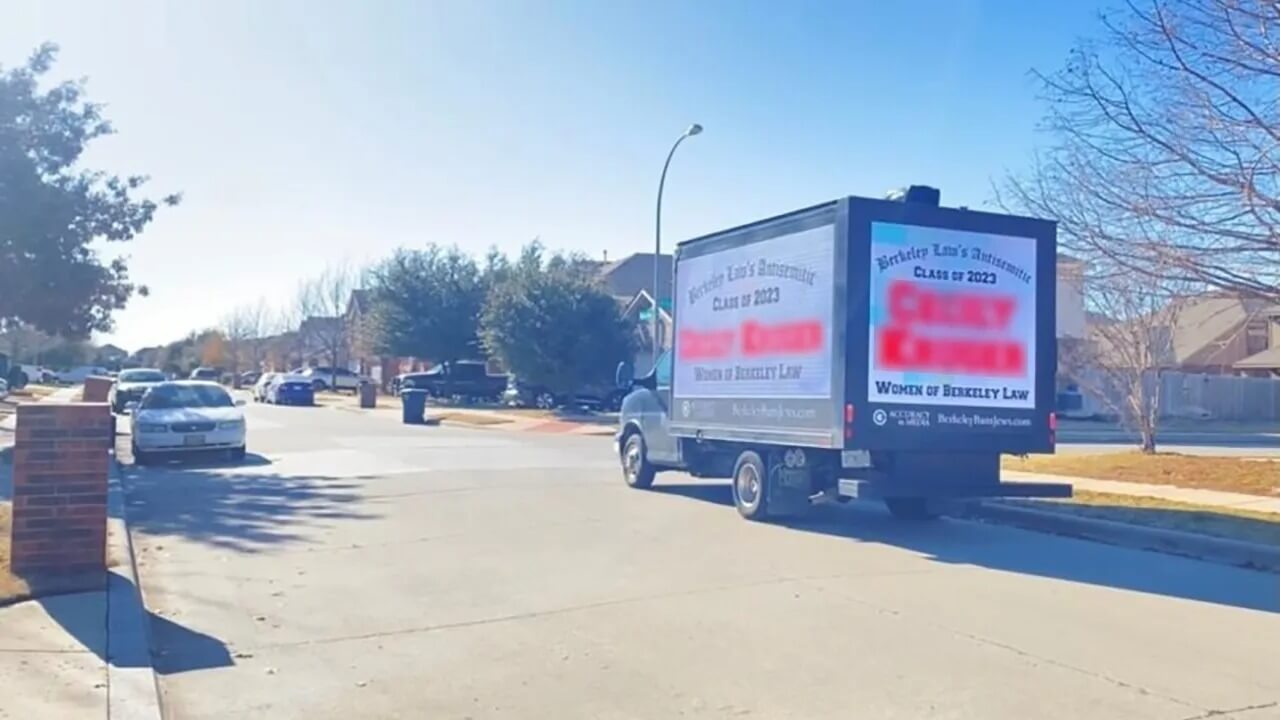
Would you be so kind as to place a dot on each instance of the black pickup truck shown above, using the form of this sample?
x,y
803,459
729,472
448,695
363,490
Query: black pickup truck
x,y
465,378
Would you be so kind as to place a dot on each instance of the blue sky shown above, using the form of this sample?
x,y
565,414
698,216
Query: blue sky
x,y
309,134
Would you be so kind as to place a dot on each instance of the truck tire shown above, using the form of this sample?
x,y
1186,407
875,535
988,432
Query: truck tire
x,y
636,469
911,509
751,486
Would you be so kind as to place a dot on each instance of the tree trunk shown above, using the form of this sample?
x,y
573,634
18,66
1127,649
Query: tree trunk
x,y
1148,441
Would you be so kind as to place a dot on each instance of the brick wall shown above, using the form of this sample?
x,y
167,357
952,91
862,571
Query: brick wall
x,y
97,389
60,465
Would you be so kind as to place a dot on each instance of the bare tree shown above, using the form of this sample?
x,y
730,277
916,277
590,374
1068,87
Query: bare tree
x,y
244,329
1166,154
322,306
1127,346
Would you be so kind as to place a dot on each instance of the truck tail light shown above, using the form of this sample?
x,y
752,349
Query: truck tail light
x,y
848,421
1053,428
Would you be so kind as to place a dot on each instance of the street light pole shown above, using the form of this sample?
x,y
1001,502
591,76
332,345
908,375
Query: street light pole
x,y
693,129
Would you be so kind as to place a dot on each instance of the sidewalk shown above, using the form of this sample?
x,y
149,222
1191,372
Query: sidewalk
x,y
489,418
85,654
1211,498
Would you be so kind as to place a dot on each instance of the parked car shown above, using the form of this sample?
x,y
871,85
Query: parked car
x,y
325,378
41,375
291,390
250,377
521,394
465,378
77,375
17,378
207,374
131,385
186,416
261,385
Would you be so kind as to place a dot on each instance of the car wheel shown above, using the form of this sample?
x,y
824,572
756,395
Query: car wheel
x,y
140,457
544,401
636,469
319,385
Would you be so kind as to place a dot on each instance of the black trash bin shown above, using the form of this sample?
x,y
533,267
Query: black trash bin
x,y
413,404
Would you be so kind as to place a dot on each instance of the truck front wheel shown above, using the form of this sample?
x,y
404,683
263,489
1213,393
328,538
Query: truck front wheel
x,y
751,486
636,470
911,509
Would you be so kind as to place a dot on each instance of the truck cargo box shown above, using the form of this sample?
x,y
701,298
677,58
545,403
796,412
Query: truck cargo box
x,y
868,324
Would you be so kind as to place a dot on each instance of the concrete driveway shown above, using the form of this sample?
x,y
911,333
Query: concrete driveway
x,y
356,567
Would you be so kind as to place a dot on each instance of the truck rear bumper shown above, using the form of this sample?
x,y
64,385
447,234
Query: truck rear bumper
x,y
873,490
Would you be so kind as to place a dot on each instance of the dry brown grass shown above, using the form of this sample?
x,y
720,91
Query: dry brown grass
x,y
11,588
32,392
1225,522
1231,474
469,418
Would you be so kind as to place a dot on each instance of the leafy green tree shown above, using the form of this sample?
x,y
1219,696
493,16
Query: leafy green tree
x,y
427,304
551,324
52,212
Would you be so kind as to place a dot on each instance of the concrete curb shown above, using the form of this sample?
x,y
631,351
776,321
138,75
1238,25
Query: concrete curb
x,y
1173,542
133,691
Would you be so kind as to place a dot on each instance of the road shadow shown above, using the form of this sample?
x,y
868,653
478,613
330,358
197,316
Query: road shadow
x,y
236,507
176,648
173,648
958,542
210,459
1200,522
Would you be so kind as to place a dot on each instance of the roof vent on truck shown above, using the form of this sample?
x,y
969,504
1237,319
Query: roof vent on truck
x,y
917,195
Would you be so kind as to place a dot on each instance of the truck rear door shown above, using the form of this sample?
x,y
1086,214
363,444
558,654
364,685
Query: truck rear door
x,y
951,328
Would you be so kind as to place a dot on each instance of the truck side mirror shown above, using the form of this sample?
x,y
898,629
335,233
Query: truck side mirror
x,y
625,375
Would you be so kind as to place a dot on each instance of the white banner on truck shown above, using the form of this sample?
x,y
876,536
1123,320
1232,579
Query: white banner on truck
x,y
754,321
953,318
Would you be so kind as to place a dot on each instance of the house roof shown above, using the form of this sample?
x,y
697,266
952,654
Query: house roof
x,y
1206,327
359,301
642,300
1268,359
317,324
634,273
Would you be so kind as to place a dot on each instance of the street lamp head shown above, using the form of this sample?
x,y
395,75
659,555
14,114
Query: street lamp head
x,y
694,129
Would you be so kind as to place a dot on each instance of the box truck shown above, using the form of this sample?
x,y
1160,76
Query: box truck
x,y
862,348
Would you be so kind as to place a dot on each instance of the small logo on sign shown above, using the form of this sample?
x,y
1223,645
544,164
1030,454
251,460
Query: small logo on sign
x,y
684,408
879,417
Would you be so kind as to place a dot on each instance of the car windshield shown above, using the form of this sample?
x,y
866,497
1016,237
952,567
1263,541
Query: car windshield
x,y
142,376
167,397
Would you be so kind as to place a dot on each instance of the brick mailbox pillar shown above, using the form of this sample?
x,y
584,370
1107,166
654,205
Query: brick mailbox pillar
x,y
97,389
60,465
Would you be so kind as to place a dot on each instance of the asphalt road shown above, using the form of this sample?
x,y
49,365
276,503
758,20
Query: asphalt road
x,y
356,567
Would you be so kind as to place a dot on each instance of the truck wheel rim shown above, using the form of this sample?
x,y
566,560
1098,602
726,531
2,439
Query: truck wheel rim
x,y
748,483
631,461
545,402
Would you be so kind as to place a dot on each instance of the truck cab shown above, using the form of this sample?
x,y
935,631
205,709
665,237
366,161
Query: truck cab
x,y
644,436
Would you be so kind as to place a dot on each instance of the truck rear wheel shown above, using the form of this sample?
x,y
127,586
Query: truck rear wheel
x,y
911,509
751,486
636,469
